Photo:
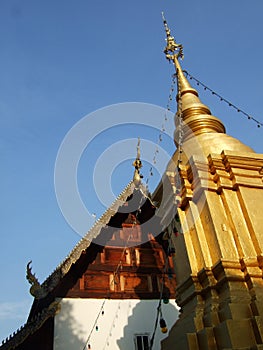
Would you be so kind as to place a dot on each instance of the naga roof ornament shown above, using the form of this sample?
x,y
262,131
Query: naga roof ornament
x,y
35,289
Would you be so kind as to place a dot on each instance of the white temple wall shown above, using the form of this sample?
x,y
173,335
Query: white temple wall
x,y
121,321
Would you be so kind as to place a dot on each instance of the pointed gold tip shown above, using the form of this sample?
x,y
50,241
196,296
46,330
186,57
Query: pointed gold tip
x,y
138,149
172,49
173,52
137,164
193,112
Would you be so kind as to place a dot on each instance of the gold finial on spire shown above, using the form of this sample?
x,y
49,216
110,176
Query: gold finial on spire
x,y
137,164
173,52
172,49
195,115
138,149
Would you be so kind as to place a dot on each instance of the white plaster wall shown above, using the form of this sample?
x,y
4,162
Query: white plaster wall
x,y
122,319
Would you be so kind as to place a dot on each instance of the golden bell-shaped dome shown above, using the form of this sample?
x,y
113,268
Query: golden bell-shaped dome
x,y
198,122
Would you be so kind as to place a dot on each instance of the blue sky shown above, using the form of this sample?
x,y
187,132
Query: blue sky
x,y
62,60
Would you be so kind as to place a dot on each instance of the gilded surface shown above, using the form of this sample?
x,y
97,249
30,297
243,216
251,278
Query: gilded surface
x,y
218,260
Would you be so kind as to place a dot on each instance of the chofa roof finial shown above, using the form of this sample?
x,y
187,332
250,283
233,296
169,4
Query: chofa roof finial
x,y
35,289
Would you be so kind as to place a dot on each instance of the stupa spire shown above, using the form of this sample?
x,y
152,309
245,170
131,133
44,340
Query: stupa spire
x,y
194,113
137,165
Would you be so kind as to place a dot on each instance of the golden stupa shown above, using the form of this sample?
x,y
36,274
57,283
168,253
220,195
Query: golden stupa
x,y
216,184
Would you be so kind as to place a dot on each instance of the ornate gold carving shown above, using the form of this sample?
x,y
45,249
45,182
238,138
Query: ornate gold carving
x,y
172,49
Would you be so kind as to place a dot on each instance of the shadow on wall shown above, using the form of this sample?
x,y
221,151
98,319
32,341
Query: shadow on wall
x,y
142,321
143,318
68,334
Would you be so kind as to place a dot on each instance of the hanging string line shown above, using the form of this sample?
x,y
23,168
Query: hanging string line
x,y
119,266
163,128
159,307
112,326
94,324
230,104
180,145
113,281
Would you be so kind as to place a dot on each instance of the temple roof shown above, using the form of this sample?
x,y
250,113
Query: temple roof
x,y
45,305
111,218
